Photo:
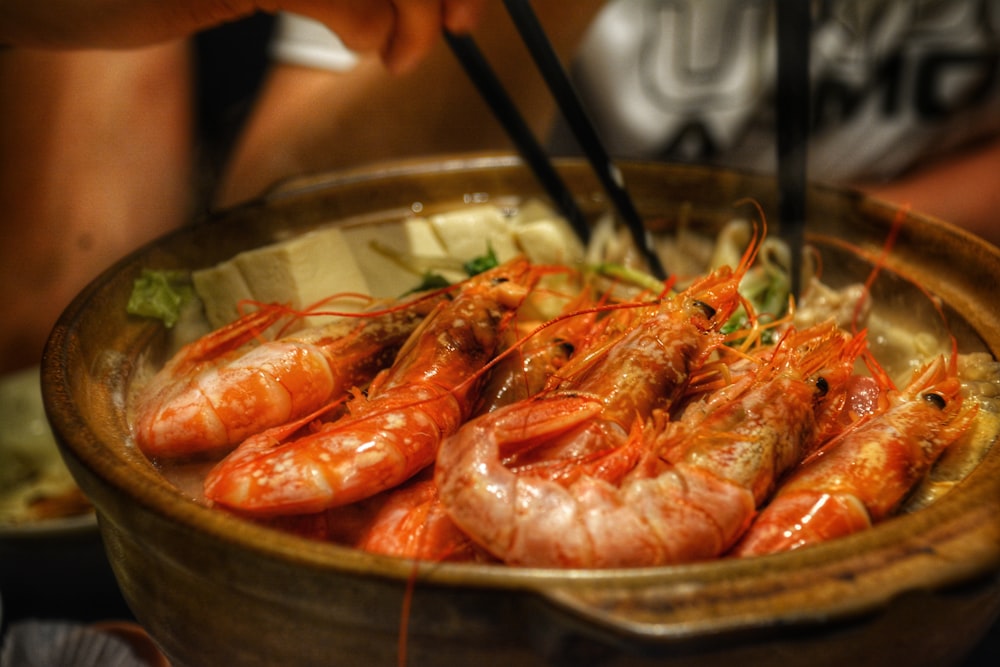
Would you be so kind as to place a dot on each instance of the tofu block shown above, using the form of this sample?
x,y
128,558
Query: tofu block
x,y
221,288
534,209
411,238
548,241
306,269
299,272
469,232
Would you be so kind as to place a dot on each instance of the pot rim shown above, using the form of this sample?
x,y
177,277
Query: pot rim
x,y
953,541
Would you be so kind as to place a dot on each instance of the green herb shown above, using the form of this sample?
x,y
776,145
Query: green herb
x,y
160,295
429,281
478,265
430,278
629,276
767,288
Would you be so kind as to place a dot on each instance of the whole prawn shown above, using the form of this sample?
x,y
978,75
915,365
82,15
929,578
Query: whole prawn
x,y
394,431
583,520
764,424
219,390
534,360
862,476
406,521
409,521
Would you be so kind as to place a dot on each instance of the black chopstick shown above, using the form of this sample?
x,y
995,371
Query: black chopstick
x,y
792,127
551,69
482,76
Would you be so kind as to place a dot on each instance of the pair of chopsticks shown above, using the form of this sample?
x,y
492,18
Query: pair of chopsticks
x,y
547,61
792,127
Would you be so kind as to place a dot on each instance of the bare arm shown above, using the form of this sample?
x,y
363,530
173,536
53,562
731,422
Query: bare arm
x,y
963,189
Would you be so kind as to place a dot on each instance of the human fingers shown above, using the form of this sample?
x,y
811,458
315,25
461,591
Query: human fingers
x,y
461,16
402,32
418,25
362,25
416,30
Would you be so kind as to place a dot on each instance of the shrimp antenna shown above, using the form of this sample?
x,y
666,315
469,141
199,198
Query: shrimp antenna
x,y
758,236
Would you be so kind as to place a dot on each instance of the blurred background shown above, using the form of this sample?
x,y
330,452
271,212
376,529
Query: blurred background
x,y
53,245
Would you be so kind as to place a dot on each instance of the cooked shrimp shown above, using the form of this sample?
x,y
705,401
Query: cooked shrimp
x,y
410,522
395,431
535,360
585,521
219,390
406,521
863,475
813,366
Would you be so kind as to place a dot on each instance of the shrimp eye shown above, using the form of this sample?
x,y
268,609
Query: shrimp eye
x,y
706,309
937,400
822,386
500,280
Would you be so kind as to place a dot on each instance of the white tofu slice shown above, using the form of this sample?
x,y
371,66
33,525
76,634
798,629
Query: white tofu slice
x,y
221,288
298,272
305,270
548,241
469,232
534,209
411,237
544,236
308,268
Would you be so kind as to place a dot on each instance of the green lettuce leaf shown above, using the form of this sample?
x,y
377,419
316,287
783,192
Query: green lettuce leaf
x,y
160,295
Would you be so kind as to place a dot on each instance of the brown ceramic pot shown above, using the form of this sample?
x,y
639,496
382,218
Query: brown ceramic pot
x,y
214,590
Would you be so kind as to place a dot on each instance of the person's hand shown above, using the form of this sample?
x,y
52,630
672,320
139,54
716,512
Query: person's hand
x,y
401,31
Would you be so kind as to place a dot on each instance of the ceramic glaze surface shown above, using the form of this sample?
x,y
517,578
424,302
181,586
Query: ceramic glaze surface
x,y
212,589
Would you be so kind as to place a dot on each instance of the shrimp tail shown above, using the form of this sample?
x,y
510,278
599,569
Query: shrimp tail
x,y
410,522
172,416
